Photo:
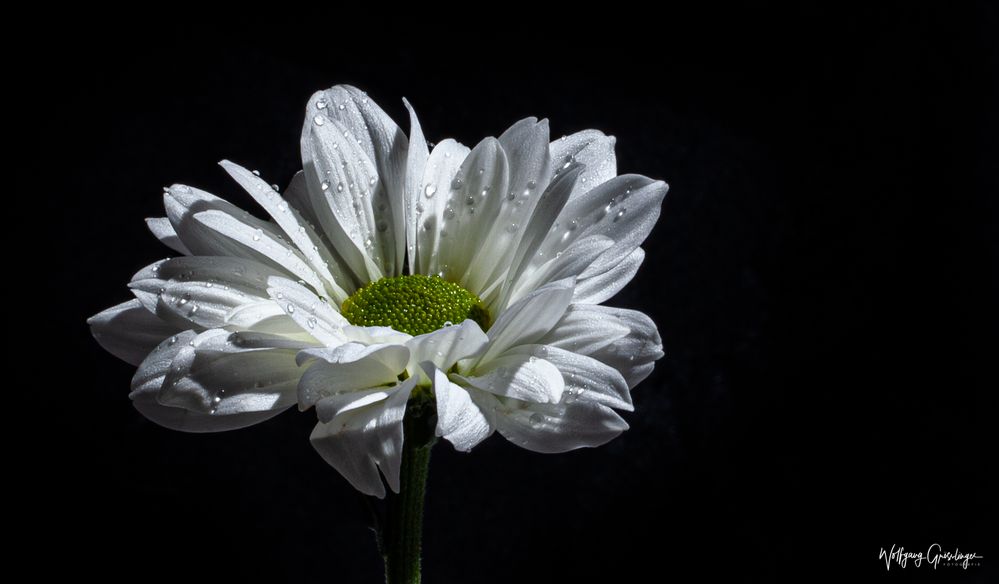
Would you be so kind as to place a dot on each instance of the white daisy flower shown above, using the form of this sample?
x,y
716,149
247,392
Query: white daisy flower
x,y
389,273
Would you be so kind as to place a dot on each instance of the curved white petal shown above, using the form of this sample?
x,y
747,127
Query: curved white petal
x,y
551,428
173,355
528,319
622,210
474,199
445,347
349,367
596,331
520,376
163,230
590,148
585,377
217,376
431,201
604,285
201,291
295,228
508,214
129,331
416,162
311,312
359,441
460,420
381,141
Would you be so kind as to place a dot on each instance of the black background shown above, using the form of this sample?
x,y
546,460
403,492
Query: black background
x,y
823,277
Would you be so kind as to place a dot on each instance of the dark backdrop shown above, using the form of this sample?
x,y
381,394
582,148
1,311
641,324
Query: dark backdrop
x,y
823,276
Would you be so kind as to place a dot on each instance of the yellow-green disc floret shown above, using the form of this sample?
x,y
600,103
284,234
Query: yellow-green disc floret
x,y
414,304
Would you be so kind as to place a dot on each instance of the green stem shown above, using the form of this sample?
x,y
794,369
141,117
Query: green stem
x,y
403,528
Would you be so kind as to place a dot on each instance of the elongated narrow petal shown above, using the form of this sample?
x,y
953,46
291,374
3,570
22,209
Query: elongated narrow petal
x,y
604,285
460,420
349,367
520,376
529,319
129,331
295,227
416,162
380,140
359,441
311,312
596,331
201,291
432,201
163,230
590,149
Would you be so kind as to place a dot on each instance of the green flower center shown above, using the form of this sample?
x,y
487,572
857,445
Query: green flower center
x,y
414,304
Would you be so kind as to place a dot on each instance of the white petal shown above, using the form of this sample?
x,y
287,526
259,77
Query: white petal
x,y
432,201
474,200
528,319
264,316
543,222
596,331
381,141
329,407
241,239
622,210
217,376
416,163
444,347
590,148
550,428
312,313
294,226
201,290
163,230
129,331
359,441
567,264
149,379
526,147
369,335
359,222
603,286
585,378
519,376
187,421
349,367
460,420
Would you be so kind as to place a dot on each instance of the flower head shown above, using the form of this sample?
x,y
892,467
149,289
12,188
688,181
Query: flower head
x,y
388,269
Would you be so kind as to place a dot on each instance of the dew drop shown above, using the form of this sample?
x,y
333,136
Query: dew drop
x,y
311,322
469,200
256,236
339,187
319,120
449,213
325,186
429,190
457,183
291,309
619,215
511,228
322,103
537,419
448,323
381,226
256,172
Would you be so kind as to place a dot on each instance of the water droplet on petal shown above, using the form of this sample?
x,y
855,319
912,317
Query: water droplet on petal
x,y
537,419
339,187
619,215
291,309
429,190
319,120
322,103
